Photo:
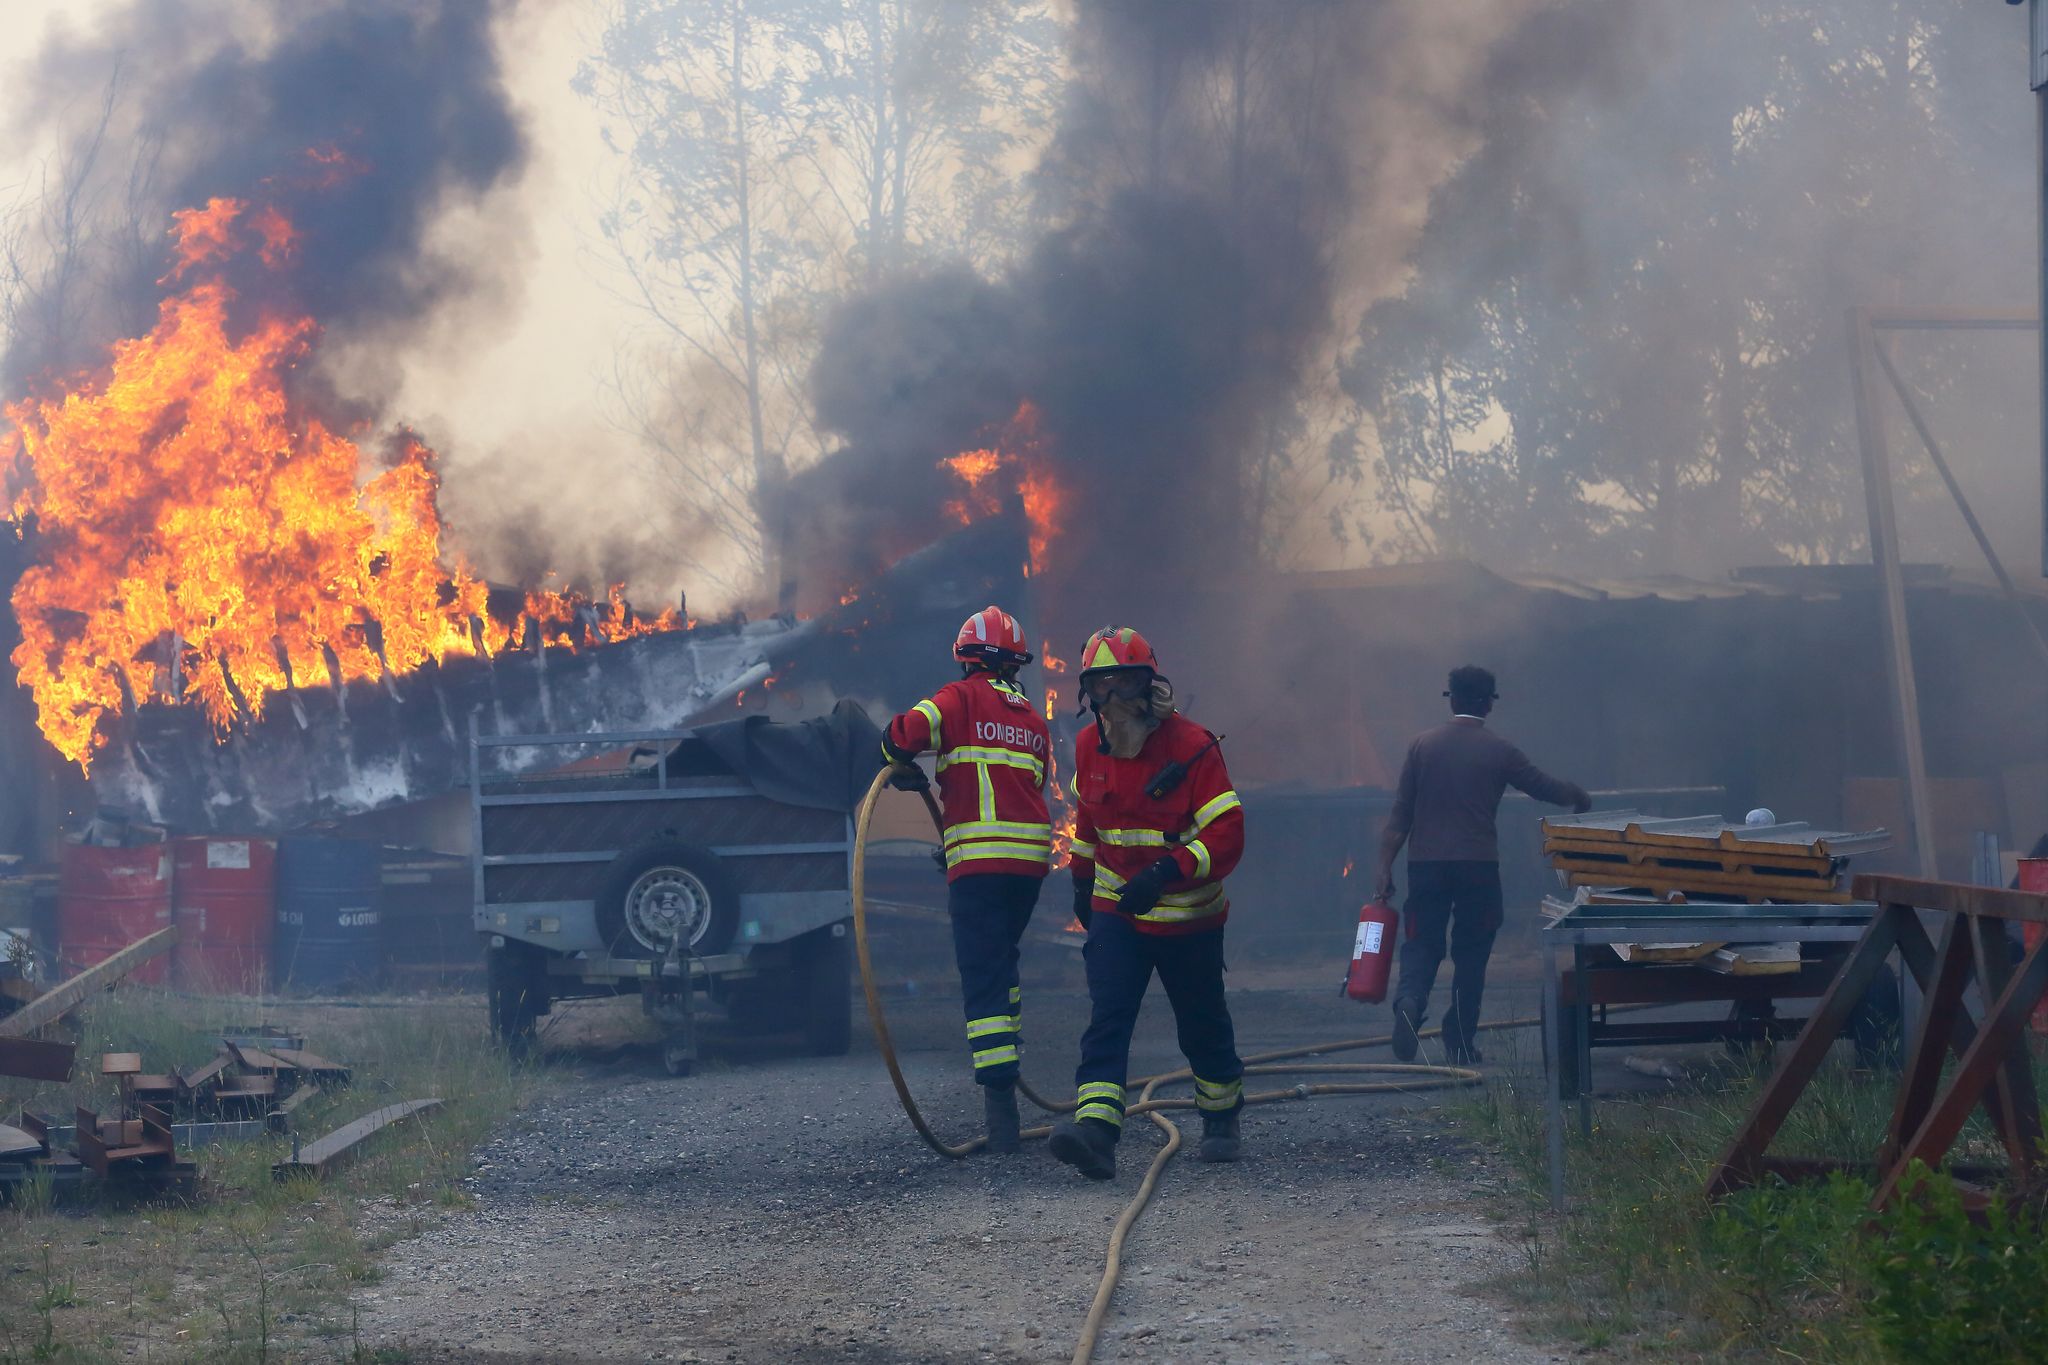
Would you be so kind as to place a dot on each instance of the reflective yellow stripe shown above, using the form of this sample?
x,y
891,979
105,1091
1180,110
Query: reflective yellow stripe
x,y
930,712
1201,852
1027,830
995,1056
994,1023
1177,915
1216,1096
1081,850
1108,883
1100,1090
1108,1113
1016,997
1132,838
988,791
1001,758
982,852
1226,802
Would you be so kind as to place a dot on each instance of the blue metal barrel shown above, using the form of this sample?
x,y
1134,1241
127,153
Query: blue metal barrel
x,y
327,913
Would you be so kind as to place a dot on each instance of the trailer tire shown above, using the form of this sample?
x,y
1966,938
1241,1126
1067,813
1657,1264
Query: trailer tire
x,y
516,975
667,881
824,972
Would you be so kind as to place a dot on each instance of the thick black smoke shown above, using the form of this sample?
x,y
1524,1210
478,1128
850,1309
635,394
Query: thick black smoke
x,y
361,121
1157,327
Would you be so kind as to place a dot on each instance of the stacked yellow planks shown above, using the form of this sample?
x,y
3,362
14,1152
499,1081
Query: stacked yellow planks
x,y
1704,857
1617,857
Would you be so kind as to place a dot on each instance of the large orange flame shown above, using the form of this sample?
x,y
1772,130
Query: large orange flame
x,y
197,536
1018,450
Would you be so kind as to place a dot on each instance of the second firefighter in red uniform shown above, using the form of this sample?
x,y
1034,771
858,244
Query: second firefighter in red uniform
x,y
1157,829
992,752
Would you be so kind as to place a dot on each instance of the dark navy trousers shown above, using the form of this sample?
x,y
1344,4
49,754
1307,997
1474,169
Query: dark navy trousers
x,y
989,912
1121,961
1463,900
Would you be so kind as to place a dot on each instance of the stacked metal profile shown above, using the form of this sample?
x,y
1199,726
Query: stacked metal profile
x,y
1624,857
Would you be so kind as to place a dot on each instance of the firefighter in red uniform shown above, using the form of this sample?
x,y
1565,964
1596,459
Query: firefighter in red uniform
x,y
1157,830
992,752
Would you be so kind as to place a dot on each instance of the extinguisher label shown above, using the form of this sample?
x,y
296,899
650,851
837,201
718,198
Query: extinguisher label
x,y
228,853
1370,934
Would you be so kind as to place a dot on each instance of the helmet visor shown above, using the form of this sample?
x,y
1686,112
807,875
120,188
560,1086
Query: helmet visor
x,y
1124,684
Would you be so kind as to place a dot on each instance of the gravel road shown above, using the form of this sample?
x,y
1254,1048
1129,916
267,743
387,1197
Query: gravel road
x,y
775,1208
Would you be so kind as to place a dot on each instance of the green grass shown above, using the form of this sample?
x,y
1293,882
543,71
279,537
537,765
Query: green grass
x,y
253,1270
1643,1265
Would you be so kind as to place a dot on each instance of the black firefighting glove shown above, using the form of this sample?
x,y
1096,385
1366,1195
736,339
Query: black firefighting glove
x,y
1084,900
908,777
1142,892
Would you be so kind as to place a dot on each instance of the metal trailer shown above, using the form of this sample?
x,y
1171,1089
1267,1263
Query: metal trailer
x,y
612,874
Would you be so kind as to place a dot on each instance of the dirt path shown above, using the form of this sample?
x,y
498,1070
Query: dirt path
x,y
781,1210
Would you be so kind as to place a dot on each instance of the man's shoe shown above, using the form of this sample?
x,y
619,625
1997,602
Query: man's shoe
x,y
1464,1054
1088,1146
1219,1136
999,1114
1407,1019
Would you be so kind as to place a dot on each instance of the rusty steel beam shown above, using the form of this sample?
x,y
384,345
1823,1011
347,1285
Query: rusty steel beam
x,y
318,1158
36,1061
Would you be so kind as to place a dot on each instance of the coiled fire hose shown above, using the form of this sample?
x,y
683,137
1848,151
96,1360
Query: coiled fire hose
x,y
1418,1076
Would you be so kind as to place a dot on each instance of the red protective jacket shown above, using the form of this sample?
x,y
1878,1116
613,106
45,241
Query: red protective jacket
x,y
1120,831
992,750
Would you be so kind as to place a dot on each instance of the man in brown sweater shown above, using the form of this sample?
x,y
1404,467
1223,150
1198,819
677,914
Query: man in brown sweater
x,y
1451,786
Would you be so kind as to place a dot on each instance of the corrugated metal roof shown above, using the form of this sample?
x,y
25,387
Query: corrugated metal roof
x,y
1804,582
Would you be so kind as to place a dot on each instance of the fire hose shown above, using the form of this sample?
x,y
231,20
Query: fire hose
x,y
1419,1076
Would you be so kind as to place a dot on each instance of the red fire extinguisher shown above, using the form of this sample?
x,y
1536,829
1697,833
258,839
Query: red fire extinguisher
x,y
1372,954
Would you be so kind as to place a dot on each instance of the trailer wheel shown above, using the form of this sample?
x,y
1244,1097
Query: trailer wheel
x,y
824,980
518,993
664,891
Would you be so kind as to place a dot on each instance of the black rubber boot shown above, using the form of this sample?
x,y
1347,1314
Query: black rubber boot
x,y
1408,1017
1219,1136
1088,1146
999,1114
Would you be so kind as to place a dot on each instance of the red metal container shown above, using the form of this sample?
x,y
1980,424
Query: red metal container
x,y
1372,954
225,905
109,897
2034,877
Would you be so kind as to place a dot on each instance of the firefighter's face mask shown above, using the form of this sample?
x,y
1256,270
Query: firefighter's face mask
x,y
1128,707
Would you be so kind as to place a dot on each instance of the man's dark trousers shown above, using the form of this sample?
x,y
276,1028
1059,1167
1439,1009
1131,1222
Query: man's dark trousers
x,y
1120,961
1464,899
989,912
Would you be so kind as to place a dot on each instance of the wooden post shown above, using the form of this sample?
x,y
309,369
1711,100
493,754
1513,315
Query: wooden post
x,y
1968,1086
1884,553
1922,1074
1993,1069
1742,1162
56,1003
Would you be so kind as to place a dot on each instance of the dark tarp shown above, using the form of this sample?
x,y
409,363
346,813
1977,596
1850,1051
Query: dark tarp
x,y
825,764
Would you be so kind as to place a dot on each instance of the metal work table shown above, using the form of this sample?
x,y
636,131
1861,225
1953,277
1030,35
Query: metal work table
x,y
1573,995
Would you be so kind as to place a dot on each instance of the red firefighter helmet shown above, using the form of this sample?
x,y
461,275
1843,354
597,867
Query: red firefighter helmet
x,y
991,636
1115,648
